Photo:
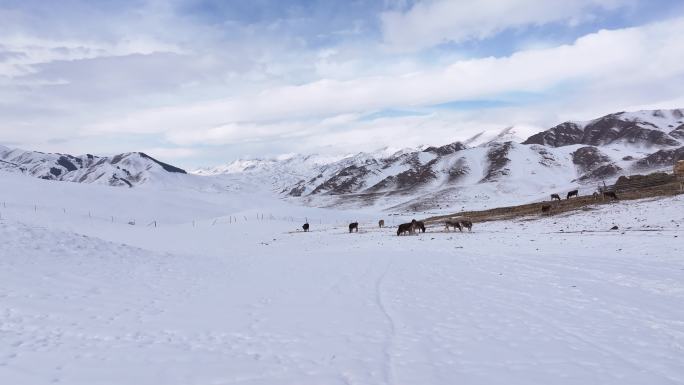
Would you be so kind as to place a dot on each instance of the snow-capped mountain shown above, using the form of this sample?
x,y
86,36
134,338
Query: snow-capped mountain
x,y
127,169
483,170
643,128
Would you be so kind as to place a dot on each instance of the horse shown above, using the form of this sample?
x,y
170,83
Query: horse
x,y
454,224
546,208
555,196
610,194
354,226
420,226
573,193
381,223
467,224
407,228
306,227
595,195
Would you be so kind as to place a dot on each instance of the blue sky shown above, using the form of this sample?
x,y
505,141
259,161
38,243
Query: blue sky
x,y
205,82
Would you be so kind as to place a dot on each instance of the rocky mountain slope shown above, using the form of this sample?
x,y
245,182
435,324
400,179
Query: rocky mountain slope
x,y
570,155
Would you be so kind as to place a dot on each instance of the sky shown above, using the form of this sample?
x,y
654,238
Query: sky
x,y
201,83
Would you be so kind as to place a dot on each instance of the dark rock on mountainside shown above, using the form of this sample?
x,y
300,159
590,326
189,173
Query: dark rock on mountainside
x,y
416,176
605,171
497,158
608,129
165,166
661,158
446,149
546,158
589,158
297,190
563,134
458,170
678,132
346,181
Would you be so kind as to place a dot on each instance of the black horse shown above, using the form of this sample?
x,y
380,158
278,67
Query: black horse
x,y
420,226
407,228
555,196
610,194
354,226
306,227
573,193
467,225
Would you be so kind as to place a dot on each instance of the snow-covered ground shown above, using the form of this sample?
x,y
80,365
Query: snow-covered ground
x,y
87,301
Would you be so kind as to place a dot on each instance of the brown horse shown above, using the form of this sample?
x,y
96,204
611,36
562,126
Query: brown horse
x,y
381,223
546,208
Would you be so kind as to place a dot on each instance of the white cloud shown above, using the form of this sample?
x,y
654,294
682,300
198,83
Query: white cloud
x,y
627,59
432,22
25,53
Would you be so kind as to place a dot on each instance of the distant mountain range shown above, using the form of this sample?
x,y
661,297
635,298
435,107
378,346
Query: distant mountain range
x,y
128,169
482,171
479,172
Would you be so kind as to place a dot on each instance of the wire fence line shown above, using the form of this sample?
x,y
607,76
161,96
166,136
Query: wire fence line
x,y
21,211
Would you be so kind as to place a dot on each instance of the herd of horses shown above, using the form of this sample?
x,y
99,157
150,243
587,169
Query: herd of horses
x,y
417,226
410,228
545,208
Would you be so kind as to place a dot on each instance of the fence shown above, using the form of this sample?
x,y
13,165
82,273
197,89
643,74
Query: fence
x,y
20,211
39,212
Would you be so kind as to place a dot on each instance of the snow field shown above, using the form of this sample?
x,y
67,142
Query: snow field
x,y
261,303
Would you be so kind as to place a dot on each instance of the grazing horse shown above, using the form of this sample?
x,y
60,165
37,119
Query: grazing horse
x,y
546,208
354,226
610,194
306,227
573,193
454,224
381,223
467,225
595,195
420,226
407,228
555,196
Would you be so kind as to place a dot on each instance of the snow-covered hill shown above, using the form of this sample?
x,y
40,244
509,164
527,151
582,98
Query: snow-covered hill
x,y
128,169
482,171
200,299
